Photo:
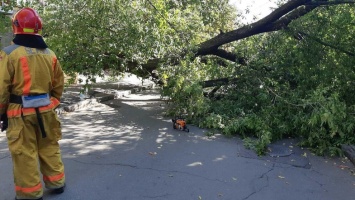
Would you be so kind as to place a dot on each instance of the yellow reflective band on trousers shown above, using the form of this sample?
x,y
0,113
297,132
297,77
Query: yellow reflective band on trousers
x,y
28,149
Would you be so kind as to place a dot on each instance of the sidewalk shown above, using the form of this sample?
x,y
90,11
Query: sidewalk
x,y
100,91
126,149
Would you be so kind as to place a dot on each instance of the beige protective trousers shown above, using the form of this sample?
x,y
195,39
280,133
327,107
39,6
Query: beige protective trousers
x,y
30,152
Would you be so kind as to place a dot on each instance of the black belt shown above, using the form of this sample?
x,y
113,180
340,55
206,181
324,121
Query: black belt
x,y
15,99
18,100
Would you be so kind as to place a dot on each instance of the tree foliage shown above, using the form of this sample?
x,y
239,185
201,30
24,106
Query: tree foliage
x,y
133,36
297,82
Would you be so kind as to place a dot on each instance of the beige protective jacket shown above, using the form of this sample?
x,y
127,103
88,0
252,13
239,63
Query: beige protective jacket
x,y
29,71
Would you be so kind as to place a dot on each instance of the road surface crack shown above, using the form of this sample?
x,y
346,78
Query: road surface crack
x,y
263,176
151,169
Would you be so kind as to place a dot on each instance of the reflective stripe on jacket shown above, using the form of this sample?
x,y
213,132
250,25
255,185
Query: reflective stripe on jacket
x,y
25,71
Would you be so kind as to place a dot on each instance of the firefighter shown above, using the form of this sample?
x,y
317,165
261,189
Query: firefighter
x,y
31,85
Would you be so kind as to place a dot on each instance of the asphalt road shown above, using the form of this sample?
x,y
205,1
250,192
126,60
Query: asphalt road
x,y
126,149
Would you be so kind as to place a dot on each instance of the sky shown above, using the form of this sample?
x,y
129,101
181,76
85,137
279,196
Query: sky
x,y
258,8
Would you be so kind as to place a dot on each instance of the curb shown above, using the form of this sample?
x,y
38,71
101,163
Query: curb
x,y
115,92
71,108
96,97
349,151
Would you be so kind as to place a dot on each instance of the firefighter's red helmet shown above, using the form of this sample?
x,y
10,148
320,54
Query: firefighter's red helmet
x,y
27,21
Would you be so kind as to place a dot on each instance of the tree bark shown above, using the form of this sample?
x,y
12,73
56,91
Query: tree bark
x,y
277,20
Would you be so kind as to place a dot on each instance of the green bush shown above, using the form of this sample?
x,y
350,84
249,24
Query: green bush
x,y
301,87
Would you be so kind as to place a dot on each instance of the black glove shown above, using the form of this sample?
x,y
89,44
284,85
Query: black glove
x,y
4,122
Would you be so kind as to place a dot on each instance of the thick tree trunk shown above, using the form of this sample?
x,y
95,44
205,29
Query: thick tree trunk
x,y
279,19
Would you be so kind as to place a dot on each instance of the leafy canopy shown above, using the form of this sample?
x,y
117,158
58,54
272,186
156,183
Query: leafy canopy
x,y
90,36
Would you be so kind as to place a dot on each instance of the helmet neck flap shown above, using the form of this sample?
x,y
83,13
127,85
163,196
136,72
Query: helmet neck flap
x,y
32,41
